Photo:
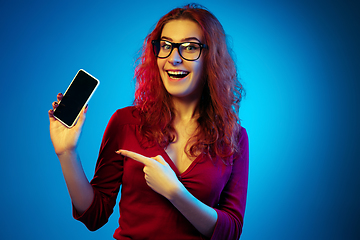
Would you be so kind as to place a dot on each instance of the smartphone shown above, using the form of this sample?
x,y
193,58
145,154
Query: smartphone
x,y
75,98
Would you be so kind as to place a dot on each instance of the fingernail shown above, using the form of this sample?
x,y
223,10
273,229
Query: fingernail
x,y
118,151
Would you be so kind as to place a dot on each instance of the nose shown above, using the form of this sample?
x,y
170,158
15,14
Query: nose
x,y
175,57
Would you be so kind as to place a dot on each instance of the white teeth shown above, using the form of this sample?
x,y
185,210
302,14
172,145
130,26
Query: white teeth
x,y
177,72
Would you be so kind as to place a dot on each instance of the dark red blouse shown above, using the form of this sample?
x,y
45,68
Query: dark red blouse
x,y
145,214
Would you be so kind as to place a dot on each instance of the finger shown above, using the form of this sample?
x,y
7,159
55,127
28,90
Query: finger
x,y
59,97
137,157
82,117
51,115
55,105
160,159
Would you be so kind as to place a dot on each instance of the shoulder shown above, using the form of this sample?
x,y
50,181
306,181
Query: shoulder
x,y
243,143
126,116
243,138
243,134
122,119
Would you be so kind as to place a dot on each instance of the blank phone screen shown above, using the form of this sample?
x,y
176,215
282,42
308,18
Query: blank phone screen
x,y
75,98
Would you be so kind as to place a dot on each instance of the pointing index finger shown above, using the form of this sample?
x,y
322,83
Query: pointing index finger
x,y
136,156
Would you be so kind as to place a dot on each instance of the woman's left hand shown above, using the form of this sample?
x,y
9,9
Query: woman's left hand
x,y
158,174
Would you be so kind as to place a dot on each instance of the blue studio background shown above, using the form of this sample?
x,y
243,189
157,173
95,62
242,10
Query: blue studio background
x,y
299,62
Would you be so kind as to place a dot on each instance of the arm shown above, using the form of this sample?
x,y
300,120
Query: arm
x,y
231,206
162,179
225,221
201,216
65,141
80,190
105,183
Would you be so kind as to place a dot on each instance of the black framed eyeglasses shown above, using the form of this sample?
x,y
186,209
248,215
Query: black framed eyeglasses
x,y
189,51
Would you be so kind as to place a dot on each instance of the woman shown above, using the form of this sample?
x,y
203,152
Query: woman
x,y
179,152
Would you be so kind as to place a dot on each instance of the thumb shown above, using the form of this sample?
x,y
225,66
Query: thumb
x,y
82,118
160,159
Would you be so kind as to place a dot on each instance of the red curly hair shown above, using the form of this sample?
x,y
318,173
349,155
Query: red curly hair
x,y
218,123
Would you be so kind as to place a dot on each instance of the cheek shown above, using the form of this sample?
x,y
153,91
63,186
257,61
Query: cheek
x,y
162,73
199,70
160,64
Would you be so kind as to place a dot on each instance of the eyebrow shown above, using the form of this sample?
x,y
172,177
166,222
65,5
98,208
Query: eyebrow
x,y
182,40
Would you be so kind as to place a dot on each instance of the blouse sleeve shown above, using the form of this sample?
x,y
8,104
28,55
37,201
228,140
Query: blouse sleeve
x,y
107,178
232,203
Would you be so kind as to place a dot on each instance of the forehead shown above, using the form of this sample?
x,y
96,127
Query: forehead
x,y
182,29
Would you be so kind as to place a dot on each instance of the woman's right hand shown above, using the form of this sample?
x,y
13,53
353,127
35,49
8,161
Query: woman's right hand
x,y
64,139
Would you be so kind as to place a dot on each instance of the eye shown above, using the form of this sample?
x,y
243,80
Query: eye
x,y
190,47
165,45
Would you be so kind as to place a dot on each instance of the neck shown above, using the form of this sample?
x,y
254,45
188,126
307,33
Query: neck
x,y
185,109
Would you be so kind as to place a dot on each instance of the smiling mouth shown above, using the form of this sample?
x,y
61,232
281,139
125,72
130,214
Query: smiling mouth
x,y
177,74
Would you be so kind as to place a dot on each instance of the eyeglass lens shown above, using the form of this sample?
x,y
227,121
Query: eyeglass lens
x,y
187,50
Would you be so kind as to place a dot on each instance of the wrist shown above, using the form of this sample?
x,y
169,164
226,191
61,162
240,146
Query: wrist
x,y
178,192
68,154
64,150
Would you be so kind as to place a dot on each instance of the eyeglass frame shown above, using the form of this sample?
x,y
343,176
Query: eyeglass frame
x,y
177,45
